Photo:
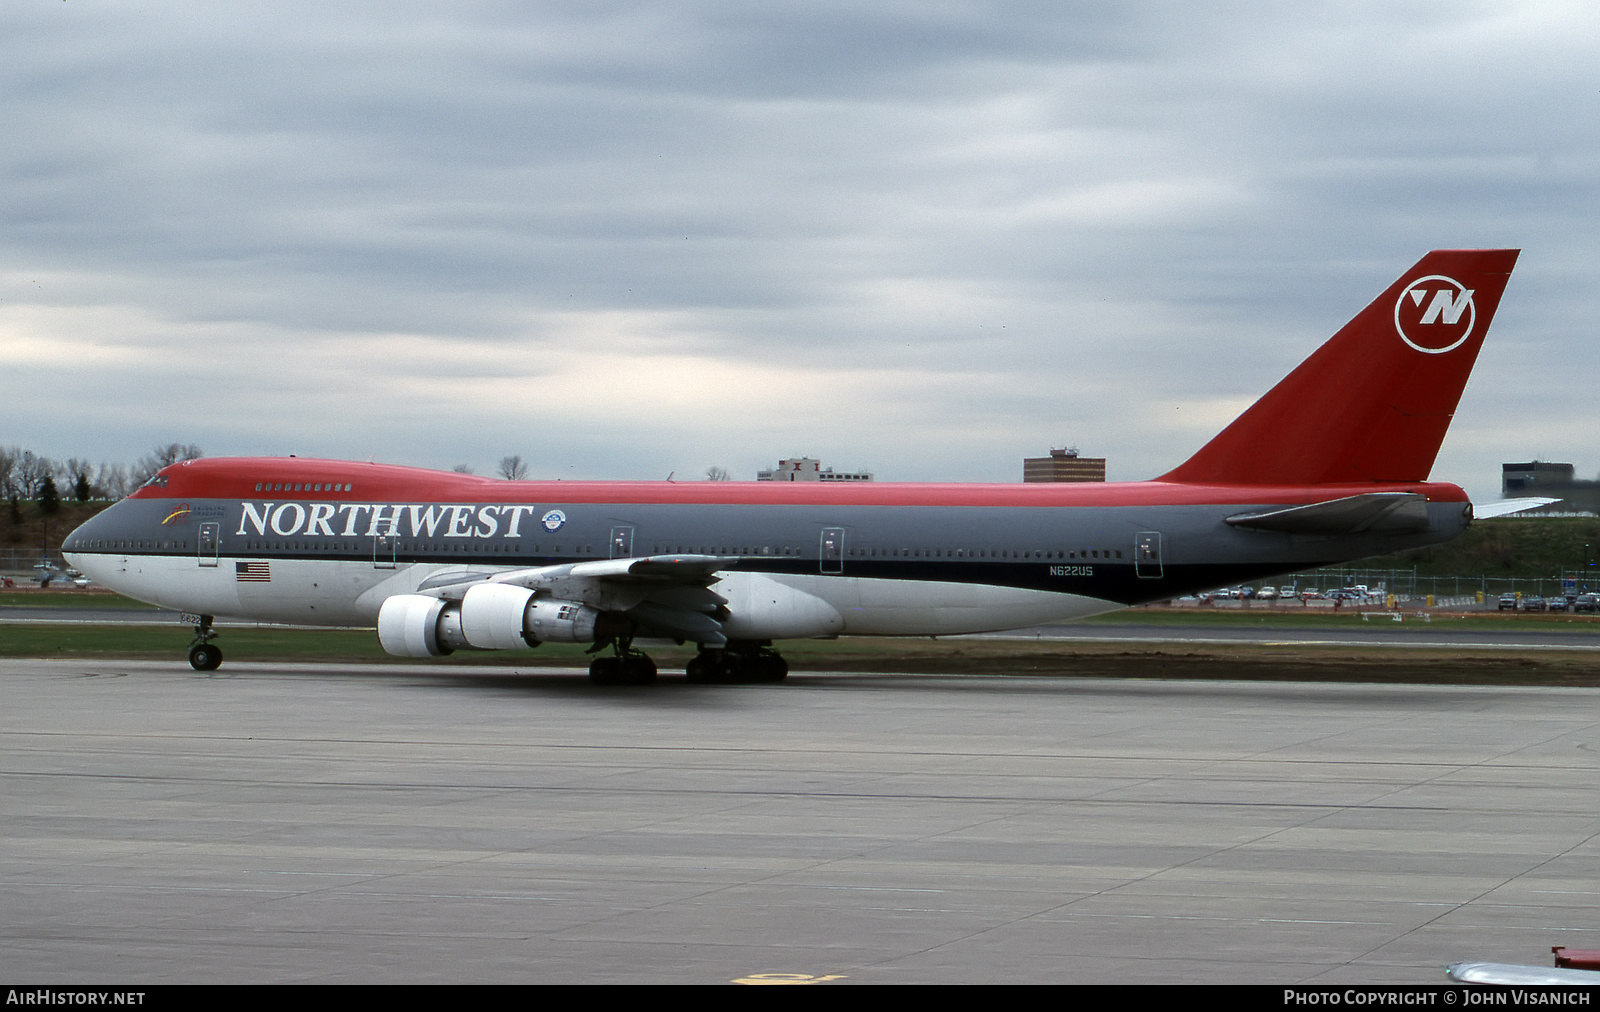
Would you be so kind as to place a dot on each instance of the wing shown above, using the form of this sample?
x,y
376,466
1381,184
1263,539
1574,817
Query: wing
x,y
666,596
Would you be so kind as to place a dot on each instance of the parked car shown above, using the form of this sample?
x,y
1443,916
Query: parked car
x,y
1533,604
1555,603
1267,594
1508,602
1587,603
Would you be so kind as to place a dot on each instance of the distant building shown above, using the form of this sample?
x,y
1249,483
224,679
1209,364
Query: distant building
x,y
809,469
1064,465
1533,477
1576,497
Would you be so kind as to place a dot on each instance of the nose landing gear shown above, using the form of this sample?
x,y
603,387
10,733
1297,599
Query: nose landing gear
x,y
202,655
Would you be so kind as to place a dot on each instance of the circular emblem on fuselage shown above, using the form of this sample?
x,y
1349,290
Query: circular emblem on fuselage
x,y
553,520
1435,314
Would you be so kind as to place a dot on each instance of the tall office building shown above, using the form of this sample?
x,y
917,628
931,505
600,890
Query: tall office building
x,y
1064,465
1528,478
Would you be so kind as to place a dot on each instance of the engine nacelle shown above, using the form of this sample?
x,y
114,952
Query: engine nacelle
x,y
415,625
561,621
493,617
490,616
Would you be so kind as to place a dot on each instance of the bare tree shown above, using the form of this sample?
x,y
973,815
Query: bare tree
x,y
31,471
512,468
463,469
160,457
8,470
111,481
715,473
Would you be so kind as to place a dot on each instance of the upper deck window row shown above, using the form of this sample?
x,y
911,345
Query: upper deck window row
x,y
307,486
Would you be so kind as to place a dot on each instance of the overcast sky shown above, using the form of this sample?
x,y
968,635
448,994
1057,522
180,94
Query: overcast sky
x,y
924,239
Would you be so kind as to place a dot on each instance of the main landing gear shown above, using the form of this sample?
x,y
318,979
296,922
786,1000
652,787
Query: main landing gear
x,y
626,666
202,655
738,663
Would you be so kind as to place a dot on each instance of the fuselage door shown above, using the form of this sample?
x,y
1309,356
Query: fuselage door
x,y
210,534
833,549
1147,555
622,542
383,550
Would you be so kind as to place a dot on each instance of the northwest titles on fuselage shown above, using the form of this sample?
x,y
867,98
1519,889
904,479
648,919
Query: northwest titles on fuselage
x,y
423,520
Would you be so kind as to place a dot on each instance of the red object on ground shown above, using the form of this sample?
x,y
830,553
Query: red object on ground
x,y
1576,959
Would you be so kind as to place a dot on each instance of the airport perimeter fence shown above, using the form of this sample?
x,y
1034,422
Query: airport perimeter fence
x,y
18,562
1405,583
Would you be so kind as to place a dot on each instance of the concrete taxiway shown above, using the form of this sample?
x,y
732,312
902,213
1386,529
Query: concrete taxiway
x,y
390,823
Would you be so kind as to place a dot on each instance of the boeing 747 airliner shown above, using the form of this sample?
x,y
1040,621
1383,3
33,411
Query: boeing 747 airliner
x,y
1330,465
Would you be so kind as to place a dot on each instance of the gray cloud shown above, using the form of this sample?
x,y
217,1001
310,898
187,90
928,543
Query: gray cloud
x,y
622,239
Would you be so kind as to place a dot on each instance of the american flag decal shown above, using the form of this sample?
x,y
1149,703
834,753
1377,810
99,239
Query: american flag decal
x,y
251,572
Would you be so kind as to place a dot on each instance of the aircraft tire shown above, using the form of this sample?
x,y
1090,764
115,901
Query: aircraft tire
x,y
638,669
705,669
771,668
205,657
634,669
737,668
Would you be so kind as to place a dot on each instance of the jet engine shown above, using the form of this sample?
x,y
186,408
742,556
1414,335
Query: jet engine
x,y
491,616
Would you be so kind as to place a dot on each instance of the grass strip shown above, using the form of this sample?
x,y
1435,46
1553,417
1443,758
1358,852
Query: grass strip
x,y
1249,662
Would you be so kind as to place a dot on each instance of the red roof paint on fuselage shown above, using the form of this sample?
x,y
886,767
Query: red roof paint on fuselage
x,y
237,477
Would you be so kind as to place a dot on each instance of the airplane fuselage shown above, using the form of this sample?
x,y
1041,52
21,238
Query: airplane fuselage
x,y
325,542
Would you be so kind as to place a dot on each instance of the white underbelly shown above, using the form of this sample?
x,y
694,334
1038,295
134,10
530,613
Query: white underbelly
x,y
300,591
348,592
924,608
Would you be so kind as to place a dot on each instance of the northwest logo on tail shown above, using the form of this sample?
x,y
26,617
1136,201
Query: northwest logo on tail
x,y
1435,314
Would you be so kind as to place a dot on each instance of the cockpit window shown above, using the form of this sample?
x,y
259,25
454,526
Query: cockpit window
x,y
156,481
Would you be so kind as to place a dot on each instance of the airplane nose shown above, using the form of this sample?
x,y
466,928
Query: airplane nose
x,y
98,567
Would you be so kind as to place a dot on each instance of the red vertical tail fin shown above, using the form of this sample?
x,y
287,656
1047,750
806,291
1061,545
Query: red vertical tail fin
x,y
1373,403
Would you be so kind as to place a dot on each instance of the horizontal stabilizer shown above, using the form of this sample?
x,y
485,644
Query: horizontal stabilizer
x,y
1377,512
1506,507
